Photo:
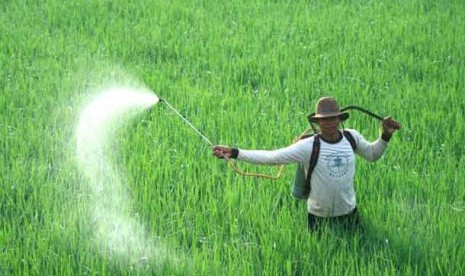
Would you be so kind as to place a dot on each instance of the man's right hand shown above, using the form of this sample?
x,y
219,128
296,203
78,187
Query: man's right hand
x,y
222,152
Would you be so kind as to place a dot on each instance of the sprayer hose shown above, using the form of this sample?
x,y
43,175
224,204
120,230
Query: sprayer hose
x,y
275,177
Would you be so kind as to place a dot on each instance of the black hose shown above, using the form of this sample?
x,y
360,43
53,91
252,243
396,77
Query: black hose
x,y
362,110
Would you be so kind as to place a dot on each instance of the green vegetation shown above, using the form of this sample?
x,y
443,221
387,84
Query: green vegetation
x,y
245,73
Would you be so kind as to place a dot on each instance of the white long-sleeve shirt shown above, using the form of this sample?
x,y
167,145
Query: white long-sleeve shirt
x,y
332,180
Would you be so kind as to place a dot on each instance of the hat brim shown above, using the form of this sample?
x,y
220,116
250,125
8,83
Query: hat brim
x,y
314,118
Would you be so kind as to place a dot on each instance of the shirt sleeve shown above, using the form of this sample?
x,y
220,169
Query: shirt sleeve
x,y
298,152
370,151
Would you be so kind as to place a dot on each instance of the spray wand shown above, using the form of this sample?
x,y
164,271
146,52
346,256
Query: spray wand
x,y
187,122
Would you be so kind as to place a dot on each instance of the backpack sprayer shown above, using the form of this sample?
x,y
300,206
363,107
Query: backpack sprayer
x,y
282,167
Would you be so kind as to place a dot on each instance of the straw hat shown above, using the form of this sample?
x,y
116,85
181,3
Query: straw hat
x,y
327,107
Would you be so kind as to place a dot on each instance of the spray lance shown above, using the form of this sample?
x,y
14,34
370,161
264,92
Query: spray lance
x,y
230,163
187,122
282,167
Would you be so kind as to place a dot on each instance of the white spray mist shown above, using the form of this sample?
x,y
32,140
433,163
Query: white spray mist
x,y
115,229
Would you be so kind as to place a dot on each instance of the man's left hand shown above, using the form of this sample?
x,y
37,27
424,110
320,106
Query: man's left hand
x,y
390,126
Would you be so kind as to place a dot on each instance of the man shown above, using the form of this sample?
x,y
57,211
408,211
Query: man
x,y
332,195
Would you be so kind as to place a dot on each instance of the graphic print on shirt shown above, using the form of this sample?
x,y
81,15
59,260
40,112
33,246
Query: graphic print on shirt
x,y
337,164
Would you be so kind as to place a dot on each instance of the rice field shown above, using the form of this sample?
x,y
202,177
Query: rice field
x,y
148,198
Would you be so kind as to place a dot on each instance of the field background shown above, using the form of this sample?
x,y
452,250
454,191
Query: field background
x,y
245,73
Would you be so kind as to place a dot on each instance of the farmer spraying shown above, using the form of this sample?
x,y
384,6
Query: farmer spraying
x,y
327,162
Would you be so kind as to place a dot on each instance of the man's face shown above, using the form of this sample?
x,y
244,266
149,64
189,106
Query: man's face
x,y
329,125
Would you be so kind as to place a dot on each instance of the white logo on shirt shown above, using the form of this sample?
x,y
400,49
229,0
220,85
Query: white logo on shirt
x,y
337,164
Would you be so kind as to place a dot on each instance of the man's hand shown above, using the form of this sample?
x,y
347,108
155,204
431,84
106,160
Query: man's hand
x,y
222,152
389,127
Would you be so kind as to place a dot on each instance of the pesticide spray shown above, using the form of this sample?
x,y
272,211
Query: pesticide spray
x,y
117,232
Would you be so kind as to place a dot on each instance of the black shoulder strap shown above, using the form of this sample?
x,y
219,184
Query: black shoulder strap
x,y
313,159
350,138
